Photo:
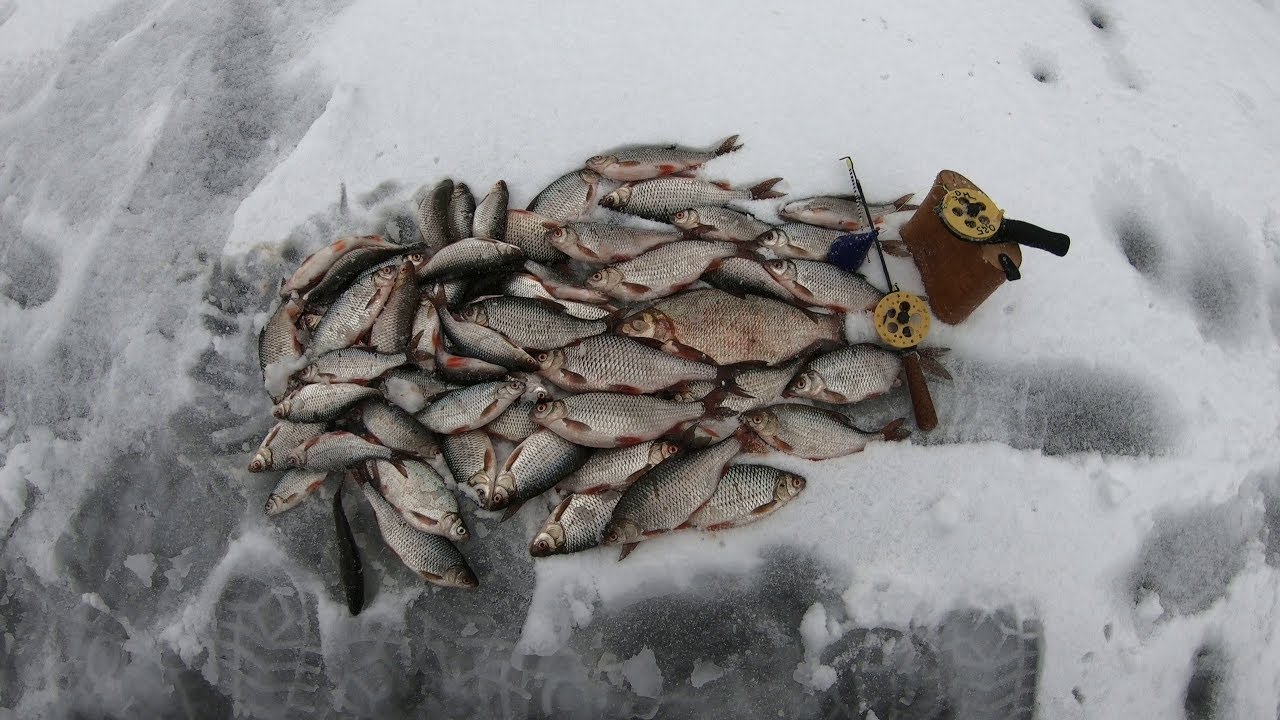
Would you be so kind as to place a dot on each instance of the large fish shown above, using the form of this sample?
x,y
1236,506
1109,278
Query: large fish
x,y
562,286
568,197
528,231
433,215
463,369
397,429
661,271
294,487
470,408
600,243
490,220
354,312
471,460
335,451
350,570
319,262
433,557
857,372
462,210
642,162
283,437
720,223
532,468
616,468
742,275
663,197
470,257
664,498
814,433
746,493
351,266
576,524
351,365
613,363
321,402
822,284
605,420
530,323
390,330
421,496
729,329
840,212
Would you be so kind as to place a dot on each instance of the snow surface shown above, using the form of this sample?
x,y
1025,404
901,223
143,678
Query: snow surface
x,y
1093,530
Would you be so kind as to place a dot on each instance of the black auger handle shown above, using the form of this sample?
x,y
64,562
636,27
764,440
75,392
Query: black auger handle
x,y
1024,233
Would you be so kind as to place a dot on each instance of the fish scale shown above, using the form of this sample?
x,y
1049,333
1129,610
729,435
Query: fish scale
x,y
515,423
810,432
432,215
352,265
613,468
482,343
462,210
318,263
528,231
602,419
576,524
397,429
390,330
490,220
421,496
335,451
745,275
619,364
470,408
282,438
660,271
720,223
825,285
527,285
293,488
470,256
529,323
279,338
568,197
471,458
660,198
433,557
322,402
848,375
664,498
533,467
354,312
351,365
606,242
639,162
745,494
800,240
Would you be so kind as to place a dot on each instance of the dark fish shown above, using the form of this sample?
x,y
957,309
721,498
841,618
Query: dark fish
x,y
462,210
390,330
491,214
354,312
568,197
349,567
470,257
742,275
532,468
433,215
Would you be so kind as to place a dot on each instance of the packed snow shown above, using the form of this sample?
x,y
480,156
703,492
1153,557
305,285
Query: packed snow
x,y
1093,531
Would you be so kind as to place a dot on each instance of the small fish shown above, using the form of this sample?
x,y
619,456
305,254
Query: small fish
x,y
433,215
746,493
463,369
413,389
353,265
563,287
433,557
425,324
350,570
293,488
822,284
469,257
472,461
397,429
613,363
515,423
814,433
470,408
662,271
529,323
321,402
462,211
390,330
527,285
335,451
532,468
720,223
351,365
283,437
663,197
616,468
314,268
799,240
643,162
601,243
742,275
840,213
664,498
279,343
858,372
421,496
576,524
490,219
569,197
482,343
528,231
354,312
605,420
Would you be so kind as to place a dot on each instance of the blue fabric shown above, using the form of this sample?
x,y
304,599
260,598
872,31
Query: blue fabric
x,y
850,251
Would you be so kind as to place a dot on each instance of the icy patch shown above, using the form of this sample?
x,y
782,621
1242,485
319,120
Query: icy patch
x,y
643,675
142,565
179,566
705,671
816,632
404,393
275,376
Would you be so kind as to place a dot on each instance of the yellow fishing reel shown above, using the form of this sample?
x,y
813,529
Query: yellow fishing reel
x,y
970,214
902,319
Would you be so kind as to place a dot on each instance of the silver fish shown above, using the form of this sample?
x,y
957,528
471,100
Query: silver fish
x,y
462,211
613,363
293,488
605,420
527,285
284,436
351,365
471,460
470,408
471,256
433,215
482,343
319,262
814,433
800,240
421,496
528,231
529,323
351,266
720,223
354,312
563,287
455,291
576,524
848,375
661,198
413,389
491,214
425,324
515,423
335,451
569,197
729,329
746,493
433,557
321,402
662,271
600,243
822,284
746,275
840,212
532,468
279,339
662,499
642,162
463,369
390,330
616,468
397,429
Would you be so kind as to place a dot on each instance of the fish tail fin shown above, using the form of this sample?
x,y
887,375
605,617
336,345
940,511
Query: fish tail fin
x,y
751,443
895,248
764,190
901,202
729,145
931,361
711,405
894,431
727,377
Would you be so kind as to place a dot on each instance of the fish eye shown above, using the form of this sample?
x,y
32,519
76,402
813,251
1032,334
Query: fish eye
x,y
778,265
597,159
461,531
682,215
802,382
416,258
540,408
597,276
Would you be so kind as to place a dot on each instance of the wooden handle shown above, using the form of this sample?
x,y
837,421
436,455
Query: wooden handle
x,y
921,400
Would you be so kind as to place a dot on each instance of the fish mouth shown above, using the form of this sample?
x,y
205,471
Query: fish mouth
x,y
542,545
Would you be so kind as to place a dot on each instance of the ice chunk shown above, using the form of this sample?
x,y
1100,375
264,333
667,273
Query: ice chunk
x,y
143,565
643,675
705,671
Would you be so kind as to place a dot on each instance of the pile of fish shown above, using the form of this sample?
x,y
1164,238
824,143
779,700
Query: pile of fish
x,y
620,360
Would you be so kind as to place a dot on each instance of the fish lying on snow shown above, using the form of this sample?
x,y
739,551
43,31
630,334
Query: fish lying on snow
x,y
421,496
821,284
814,433
433,557
470,408
613,363
840,212
745,494
532,468
600,243
642,162
529,232
661,271
569,197
720,223
531,323
490,219
616,468
661,198
318,263
857,372
283,437
605,420
354,312
462,210
433,215
576,524
350,569
293,488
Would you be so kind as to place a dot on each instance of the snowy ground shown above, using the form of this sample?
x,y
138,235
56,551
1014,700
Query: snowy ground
x,y
1093,531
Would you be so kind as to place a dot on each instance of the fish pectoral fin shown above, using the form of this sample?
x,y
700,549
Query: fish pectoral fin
x,y
572,376
765,508
424,519
575,425
626,550
781,444
635,287
722,184
628,389
725,525
628,440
